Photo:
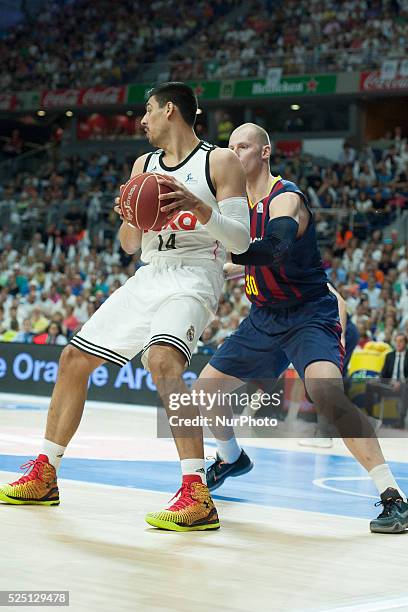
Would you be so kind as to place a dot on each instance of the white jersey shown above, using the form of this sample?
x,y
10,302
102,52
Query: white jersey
x,y
184,238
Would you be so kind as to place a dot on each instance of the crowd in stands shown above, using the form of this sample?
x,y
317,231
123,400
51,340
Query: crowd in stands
x,y
88,43
60,257
299,36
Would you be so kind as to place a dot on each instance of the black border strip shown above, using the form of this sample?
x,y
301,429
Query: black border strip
x,y
187,348
147,160
208,174
94,354
98,352
181,164
102,348
172,340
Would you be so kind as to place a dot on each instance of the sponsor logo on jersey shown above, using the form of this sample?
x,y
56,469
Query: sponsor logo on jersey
x,y
190,333
183,221
190,179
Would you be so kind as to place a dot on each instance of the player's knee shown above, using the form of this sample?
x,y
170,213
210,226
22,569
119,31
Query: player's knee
x,y
73,360
325,393
165,362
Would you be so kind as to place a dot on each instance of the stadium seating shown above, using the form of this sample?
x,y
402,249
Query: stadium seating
x,y
60,248
202,39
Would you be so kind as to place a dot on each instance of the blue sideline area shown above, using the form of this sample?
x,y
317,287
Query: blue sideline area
x,y
283,479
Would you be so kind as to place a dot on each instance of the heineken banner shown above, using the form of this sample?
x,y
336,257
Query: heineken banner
x,y
251,88
206,90
20,101
304,85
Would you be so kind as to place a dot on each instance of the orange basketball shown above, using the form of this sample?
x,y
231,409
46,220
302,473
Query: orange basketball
x,y
139,201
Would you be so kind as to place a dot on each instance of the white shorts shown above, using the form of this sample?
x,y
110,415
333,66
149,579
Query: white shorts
x,y
164,302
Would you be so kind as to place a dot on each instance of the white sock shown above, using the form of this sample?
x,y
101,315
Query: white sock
x,y
229,450
54,452
194,466
383,479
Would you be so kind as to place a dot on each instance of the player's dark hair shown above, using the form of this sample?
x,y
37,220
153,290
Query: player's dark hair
x,y
180,94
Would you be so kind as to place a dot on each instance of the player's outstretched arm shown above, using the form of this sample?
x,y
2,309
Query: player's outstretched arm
x,y
231,225
130,237
280,235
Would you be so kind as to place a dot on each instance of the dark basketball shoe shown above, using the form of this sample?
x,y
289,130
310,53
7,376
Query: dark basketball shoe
x,y
394,517
219,470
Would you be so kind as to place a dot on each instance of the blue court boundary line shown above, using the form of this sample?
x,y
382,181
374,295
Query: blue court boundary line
x,y
280,479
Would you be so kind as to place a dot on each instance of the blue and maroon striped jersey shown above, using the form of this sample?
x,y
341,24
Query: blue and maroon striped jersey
x,y
301,277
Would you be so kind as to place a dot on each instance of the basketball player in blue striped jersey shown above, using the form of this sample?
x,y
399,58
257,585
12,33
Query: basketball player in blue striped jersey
x,y
294,318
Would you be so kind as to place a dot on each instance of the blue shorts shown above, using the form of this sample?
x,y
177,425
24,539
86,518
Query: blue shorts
x,y
267,341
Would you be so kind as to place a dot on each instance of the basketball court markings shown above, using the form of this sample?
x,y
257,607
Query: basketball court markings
x,y
281,524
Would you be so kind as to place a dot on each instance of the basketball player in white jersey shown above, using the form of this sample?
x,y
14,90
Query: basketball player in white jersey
x,y
163,309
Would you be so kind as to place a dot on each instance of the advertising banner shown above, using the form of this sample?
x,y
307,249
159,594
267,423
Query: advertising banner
x,y
373,81
92,96
251,88
28,100
8,101
205,90
273,85
32,369
287,86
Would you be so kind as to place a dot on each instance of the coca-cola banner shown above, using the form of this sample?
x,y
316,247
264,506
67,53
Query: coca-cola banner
x,y
93,96
60,98
99,96
374,81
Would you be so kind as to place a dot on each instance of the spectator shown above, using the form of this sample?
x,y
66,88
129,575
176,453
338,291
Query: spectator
x,y
14,144
363,203
10,334
373,293
343,237
39,321
395,372
206,345
26,334
53,335
348,155
71,323
224,129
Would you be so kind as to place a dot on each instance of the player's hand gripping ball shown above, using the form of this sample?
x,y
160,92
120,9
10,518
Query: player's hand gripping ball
x,y
139,201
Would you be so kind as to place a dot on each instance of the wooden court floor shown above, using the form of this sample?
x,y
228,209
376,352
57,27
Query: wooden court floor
x,y
265,557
